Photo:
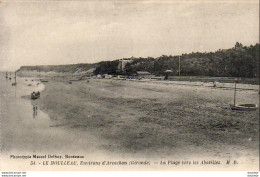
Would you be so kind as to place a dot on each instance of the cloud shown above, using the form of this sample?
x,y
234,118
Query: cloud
x,y
61,32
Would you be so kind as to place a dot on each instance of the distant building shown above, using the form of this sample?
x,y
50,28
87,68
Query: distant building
x,y
167,72
144,74
122,64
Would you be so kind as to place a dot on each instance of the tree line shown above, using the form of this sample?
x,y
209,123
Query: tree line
x,y
239,61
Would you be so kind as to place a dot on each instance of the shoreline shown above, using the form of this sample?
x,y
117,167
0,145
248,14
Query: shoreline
x,y
200,79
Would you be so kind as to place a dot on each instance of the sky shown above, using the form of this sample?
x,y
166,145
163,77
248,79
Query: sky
x,y
51,32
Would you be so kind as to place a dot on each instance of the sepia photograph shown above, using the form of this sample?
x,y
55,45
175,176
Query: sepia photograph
x,y
129,85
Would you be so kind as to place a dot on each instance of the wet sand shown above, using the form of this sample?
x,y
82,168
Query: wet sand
x,y
113,119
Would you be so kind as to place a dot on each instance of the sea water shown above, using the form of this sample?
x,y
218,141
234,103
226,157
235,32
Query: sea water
x,y
20,116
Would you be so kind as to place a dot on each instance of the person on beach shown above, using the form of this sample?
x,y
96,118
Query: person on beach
x,y
34,112
214,84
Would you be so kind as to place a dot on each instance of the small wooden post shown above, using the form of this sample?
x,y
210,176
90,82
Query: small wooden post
x,y
15,77
235,93
179,65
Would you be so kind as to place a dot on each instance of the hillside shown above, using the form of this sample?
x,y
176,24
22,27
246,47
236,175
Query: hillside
x,y
71,68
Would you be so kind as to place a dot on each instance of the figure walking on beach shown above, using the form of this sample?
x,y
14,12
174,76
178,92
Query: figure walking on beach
x,y
35,108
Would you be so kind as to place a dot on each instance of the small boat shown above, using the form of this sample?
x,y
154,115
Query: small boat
x,y
35,95
244,107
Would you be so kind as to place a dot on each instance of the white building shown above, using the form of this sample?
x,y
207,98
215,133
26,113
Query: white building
x,y
122,63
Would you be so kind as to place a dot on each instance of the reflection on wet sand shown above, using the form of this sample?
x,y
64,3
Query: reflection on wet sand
x,y
26,129
35,108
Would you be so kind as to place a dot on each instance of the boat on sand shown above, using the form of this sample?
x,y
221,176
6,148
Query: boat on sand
x,y
35,95
242,107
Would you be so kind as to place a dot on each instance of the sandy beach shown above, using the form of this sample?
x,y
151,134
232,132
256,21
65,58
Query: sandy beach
x,y
124,119
156,120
